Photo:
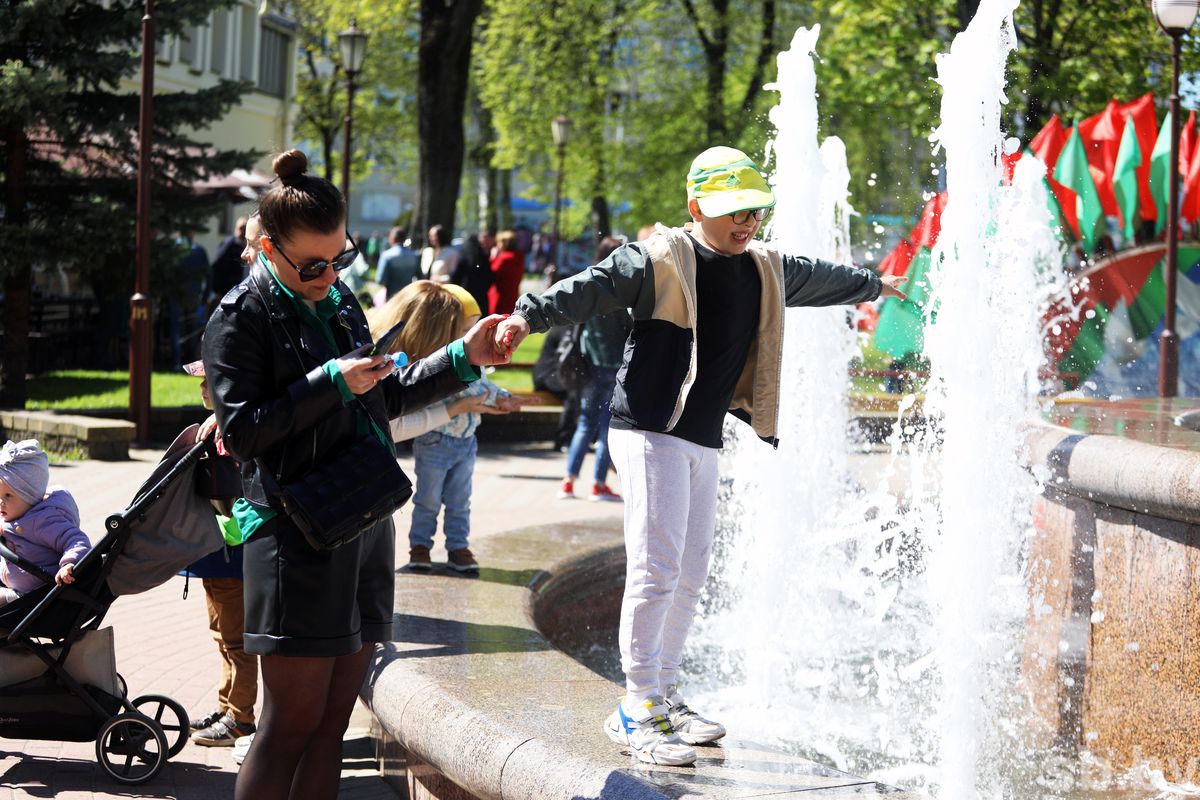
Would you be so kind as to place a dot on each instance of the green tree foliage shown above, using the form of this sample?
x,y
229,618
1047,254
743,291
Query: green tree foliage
x,y
634,80
384,100
69,140
878,63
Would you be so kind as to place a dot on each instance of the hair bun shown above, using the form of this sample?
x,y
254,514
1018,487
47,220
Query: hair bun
x,y
290,165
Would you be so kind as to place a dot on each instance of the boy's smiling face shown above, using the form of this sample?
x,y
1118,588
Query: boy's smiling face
x,y
12,507
722,234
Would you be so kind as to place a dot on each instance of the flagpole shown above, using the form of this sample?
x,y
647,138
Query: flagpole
x,y
1168,340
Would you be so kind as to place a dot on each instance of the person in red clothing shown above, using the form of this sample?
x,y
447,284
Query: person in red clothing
x,y
508,267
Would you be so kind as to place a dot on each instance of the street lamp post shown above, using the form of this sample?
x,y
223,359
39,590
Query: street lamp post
x,y
139,304
1175,17
560,129
353,42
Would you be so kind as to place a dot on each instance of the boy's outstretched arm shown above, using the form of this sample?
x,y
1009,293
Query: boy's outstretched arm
x,y
620,281
812,282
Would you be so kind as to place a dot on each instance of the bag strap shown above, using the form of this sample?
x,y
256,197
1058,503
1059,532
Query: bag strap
x,y
269,478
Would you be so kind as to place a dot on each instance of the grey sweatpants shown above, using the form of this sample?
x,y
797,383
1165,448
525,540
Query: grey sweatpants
x,y
670,490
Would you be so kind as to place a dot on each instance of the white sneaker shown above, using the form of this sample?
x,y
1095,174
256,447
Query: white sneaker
x,y
652,739
241,746
690,726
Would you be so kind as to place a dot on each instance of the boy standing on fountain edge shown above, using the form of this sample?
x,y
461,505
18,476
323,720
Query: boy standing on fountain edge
x,y
707,339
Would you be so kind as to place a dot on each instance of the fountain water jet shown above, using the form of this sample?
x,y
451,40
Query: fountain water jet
x,y
881,632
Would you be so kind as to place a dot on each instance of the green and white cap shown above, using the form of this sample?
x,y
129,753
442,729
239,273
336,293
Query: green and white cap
x,y
724,180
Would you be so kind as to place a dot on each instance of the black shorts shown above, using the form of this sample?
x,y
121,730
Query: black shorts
x,y
300,602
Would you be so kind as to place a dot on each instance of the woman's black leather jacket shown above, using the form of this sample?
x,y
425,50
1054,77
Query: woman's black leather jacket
x,y
273,400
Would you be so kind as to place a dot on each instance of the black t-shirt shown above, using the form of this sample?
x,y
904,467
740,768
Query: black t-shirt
x,y
728,301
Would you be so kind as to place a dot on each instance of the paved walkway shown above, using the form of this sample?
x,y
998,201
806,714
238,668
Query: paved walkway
x,y
163,644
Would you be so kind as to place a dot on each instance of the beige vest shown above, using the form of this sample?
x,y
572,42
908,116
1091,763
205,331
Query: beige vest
x,y
674,265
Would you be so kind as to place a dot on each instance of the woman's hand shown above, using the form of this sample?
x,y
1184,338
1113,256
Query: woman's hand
x,y
509,334
479,343
362,374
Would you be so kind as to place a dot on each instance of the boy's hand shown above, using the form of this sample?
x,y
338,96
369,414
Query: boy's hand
x,y
510,333
479,342
891,286
66,574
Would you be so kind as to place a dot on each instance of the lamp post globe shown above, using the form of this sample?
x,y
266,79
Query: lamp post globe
x,y
1175,16
353,43
560,128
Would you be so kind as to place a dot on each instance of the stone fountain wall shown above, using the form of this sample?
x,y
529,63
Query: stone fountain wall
x,y
1111,662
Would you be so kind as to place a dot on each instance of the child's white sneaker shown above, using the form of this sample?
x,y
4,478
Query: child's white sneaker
x,y
651,738
691,727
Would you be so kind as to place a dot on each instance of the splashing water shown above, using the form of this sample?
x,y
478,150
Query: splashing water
x,y
876,630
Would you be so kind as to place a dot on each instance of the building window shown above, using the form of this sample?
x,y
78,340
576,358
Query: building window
x,y
162,49
220,42
191,48
249,31
274,57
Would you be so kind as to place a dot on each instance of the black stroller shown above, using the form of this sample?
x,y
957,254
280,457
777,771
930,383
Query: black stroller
x,y
58,677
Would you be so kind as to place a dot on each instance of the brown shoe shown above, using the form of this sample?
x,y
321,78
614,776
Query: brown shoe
x,y
463,561
418,559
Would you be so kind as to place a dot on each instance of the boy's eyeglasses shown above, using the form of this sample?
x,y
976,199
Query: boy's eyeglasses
x,y
312,270
742,217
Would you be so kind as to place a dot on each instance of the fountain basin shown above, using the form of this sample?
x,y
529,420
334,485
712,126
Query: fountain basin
x,y
1114,581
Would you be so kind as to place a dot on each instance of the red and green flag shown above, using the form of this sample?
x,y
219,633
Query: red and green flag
x,y
1160,173
1101,136
1073,171
1125,183
1142,114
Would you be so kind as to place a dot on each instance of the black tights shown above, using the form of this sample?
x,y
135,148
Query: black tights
x,y
297,752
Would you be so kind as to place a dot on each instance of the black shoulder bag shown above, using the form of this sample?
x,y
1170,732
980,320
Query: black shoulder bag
x,y
336,500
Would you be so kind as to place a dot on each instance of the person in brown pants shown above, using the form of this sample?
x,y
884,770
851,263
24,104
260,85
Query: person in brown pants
x,y
221,575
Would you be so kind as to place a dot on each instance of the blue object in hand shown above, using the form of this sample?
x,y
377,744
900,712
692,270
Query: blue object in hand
x,y
399,360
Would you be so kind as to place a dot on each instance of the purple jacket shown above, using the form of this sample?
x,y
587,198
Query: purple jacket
x,y
48,535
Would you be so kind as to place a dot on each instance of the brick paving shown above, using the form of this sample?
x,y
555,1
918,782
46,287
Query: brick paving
x,y
163,644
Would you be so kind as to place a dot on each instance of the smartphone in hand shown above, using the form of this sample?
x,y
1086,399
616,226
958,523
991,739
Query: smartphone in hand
x,y
381,346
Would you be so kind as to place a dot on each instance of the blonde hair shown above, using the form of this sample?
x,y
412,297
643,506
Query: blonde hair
x,y
433,317
506,240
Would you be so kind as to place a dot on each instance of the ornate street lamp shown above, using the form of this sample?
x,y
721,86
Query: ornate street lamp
x,y
140,326
353,42
560,129
1175,17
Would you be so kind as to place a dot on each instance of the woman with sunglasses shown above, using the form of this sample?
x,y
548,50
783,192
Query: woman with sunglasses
x,y
290,395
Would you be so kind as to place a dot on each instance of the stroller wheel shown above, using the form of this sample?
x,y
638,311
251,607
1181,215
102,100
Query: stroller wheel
x,y
131,748
170,716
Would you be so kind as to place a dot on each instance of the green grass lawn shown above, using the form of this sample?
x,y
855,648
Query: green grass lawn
x,y
73,389
518,380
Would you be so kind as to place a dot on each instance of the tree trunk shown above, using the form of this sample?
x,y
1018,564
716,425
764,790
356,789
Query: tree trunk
x,y
443,70
17,291
601,226
966,12
504,215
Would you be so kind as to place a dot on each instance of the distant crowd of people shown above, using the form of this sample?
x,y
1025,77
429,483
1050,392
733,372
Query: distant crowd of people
x,y
489,265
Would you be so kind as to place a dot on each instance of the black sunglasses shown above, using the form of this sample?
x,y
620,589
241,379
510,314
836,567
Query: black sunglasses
x,y
742,217
314,269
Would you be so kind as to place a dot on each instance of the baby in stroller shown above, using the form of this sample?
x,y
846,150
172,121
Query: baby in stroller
x,y
40,526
